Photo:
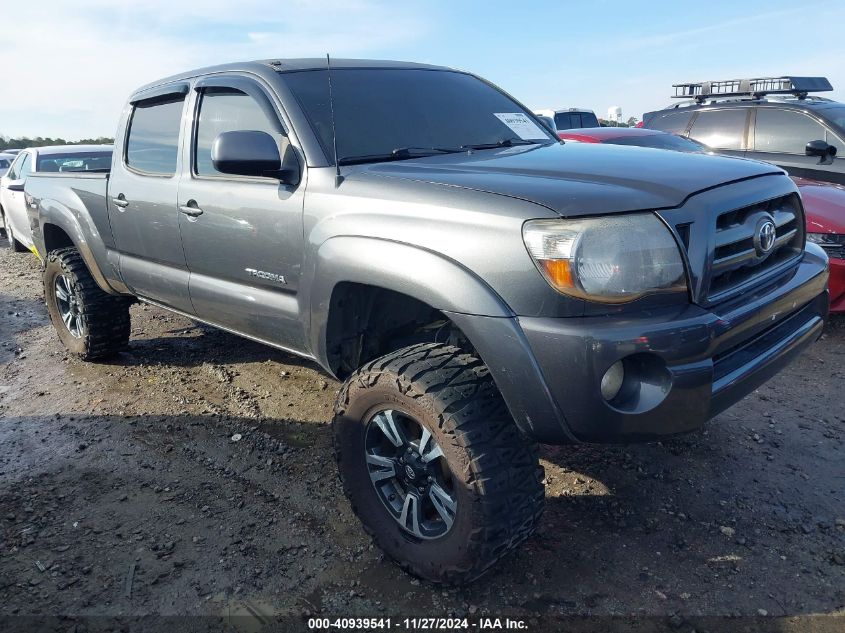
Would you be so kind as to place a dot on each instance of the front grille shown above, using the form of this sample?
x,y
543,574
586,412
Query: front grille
x,y
738,258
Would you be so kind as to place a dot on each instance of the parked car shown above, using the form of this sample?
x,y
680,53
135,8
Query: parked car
x,y
633,136
774,119
5,162
824,202
476,284
825,205
58,158
570,118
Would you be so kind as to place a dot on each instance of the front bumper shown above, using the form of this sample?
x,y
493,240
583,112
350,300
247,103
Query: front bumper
x,y
690,363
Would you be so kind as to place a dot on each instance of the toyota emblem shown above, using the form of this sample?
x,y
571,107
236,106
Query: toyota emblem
x,y
764,238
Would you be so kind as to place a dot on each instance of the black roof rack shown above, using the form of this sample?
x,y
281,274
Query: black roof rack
x,y
757,87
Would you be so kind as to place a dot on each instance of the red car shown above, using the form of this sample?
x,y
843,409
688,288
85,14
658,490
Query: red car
x,y
824,203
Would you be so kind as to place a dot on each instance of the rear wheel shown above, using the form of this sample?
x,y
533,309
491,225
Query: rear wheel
x,y
90,323
433,464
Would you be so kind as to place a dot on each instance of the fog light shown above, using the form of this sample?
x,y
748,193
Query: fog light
x,y
611,382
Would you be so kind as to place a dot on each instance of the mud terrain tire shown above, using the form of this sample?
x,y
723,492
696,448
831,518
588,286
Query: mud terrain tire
x,y
99,323
494,471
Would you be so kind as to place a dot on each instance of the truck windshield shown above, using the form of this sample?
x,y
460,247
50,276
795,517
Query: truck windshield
x,y
394,114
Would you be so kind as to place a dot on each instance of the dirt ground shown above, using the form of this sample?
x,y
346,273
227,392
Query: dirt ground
x,y
123,492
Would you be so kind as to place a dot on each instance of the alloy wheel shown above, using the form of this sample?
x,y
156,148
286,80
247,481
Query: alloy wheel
x,y
68,306
410,474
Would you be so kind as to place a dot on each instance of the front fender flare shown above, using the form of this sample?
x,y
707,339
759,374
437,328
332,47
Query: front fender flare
x,y
438,281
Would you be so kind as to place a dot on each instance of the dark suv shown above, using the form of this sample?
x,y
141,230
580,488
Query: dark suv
x,y
770,119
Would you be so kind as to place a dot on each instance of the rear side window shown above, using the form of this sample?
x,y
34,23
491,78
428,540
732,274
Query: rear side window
x,y
721,129
94,160
228,110
785,131
153,143
675,122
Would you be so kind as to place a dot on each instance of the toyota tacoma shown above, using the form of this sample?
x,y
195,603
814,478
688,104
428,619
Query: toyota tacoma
x,y
477,285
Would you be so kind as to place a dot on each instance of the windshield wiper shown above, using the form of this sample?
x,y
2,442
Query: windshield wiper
x,y
507,142
425,151
400,153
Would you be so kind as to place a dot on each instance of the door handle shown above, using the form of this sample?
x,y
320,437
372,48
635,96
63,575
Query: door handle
x,y
191,209
121,201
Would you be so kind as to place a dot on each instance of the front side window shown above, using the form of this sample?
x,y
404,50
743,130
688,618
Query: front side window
x,y
381,112
835,114
785,131
26,167
834,140
153,143
720,129
228,110
15,169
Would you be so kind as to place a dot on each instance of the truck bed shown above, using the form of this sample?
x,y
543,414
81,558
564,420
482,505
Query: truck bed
x,y
68,199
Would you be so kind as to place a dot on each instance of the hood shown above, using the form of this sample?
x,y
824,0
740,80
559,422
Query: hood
x,y
824,205
578,178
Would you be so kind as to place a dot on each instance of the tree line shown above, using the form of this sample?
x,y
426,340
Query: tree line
x,y
632,122
39,141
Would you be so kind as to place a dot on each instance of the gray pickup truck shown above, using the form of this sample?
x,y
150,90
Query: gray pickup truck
x,y
477,285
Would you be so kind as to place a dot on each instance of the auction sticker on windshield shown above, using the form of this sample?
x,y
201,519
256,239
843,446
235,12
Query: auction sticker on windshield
x,y
521,125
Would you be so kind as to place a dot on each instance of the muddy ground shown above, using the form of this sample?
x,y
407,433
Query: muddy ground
x,y
123,493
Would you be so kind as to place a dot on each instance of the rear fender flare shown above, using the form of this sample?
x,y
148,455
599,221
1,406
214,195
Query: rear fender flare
x,y
81,231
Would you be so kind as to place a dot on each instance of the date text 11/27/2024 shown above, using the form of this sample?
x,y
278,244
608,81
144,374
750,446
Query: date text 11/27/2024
x,y
417,624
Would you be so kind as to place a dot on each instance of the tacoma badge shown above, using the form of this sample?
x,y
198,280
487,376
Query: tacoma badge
x,y
267,276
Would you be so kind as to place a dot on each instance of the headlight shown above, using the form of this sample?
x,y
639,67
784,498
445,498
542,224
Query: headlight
x,y
832,243
611,259
826,239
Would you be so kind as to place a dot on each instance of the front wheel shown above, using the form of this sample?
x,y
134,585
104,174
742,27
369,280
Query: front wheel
x,y
433,464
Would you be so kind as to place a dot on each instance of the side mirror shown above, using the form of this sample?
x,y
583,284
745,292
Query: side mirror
x,y
823,150
15,186
250,153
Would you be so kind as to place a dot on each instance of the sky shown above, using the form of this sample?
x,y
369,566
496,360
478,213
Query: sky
x,y
69,66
